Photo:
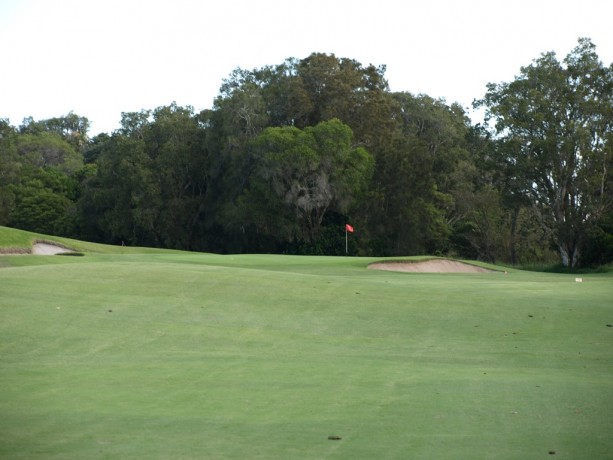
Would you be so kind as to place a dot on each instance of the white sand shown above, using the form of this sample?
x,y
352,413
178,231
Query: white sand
x,y
45,249
430,266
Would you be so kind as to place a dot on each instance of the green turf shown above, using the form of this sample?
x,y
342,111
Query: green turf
x,y
13,240
170,355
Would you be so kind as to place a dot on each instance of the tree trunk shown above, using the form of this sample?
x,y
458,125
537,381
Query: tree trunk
x,y
514,218
569,253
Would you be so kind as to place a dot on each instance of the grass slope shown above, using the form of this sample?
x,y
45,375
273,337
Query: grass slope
x,y
181,356
19,242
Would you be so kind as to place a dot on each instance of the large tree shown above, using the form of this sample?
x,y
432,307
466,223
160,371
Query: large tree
x,y
40,165
119,203
180,168
302,175
151,181
412,210
9,169
296,93
555,127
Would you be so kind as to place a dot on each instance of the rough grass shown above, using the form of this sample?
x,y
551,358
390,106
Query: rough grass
x,y
205,356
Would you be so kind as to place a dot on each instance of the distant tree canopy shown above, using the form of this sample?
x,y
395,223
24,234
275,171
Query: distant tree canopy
x,y
290,153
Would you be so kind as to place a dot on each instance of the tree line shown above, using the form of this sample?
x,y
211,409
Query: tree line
x,y
290,153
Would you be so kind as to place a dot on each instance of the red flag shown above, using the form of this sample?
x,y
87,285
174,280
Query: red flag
x,y
349,228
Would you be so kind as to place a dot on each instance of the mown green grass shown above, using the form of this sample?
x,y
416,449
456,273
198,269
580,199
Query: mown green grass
x,y
172,355
13,240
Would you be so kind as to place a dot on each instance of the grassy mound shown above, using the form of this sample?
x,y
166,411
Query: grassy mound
x,y
177,355
14,241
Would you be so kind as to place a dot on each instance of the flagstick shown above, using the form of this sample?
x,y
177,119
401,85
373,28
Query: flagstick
x,y
346,247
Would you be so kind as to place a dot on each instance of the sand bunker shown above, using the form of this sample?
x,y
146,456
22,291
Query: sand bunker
x,y
429,266
46,249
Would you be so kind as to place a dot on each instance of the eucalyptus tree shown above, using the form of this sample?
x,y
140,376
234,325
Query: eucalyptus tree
x,y
555,126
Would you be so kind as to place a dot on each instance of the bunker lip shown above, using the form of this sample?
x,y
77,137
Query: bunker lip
x,y
429,266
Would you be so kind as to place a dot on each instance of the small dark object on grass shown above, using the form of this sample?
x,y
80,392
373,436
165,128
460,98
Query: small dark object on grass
x,y
552,452
334,438
110,311
70,254
609,325
530,316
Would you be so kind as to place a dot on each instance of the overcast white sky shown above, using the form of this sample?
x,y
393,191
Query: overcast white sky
x,y
99,58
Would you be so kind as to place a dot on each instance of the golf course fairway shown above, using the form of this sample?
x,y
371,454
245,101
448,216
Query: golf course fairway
x,y
162,355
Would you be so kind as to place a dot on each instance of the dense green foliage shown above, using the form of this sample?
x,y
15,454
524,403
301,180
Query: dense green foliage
x,y
290,153
194,356
556,126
